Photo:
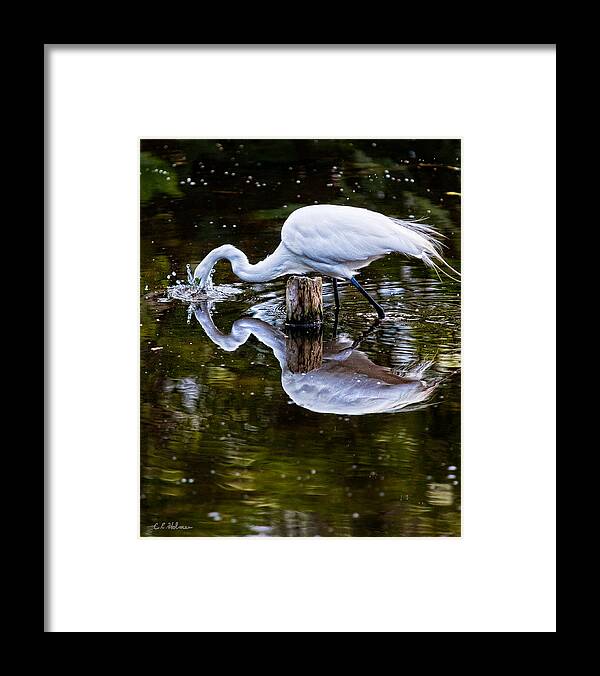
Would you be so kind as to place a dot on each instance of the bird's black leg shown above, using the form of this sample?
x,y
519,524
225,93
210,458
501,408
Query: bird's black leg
x,y
336,295
335,323
380,312
336,299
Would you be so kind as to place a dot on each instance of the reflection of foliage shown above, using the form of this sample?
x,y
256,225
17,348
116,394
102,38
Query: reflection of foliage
x,y
257,461
279,214
233,182
156,177
423,206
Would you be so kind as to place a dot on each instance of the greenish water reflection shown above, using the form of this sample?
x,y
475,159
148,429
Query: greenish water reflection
x,y
230,444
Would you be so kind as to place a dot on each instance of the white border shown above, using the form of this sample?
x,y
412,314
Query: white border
x,y
500,575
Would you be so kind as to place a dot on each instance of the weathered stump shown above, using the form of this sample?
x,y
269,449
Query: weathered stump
x,y
304,301
304,348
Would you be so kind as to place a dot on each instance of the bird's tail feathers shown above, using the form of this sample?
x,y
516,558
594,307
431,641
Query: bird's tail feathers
x,y
428,258
426,231
432,247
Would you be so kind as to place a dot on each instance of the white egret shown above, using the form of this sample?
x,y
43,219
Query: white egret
x,y
346,383
332,240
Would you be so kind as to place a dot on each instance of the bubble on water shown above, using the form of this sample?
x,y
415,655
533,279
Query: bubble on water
x,y
355,515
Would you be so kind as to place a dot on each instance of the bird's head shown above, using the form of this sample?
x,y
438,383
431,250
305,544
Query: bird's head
x,y
202,273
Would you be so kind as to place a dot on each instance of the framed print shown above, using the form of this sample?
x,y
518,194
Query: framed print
x,y
300,338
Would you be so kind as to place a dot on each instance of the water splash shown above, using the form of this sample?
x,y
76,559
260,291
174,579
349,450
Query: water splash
x,y
189,293
192,293
209,287
190,276
208,284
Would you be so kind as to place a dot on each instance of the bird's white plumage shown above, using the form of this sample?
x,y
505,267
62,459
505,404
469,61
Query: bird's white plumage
x,y
346,238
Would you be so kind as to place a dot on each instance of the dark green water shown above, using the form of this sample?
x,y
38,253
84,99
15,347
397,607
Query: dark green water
x,y
232,441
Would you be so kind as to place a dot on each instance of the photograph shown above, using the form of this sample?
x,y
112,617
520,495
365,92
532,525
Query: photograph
x,y
300,337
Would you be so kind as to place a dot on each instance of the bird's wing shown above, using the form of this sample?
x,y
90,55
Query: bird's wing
x,y
334,234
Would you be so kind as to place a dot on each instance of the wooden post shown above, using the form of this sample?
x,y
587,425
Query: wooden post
x,y
304,348
304,301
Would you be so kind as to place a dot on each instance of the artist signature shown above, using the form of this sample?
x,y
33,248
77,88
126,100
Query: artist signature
x,y
170,525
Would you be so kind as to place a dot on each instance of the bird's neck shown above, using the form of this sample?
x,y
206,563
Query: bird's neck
x,y
277,264
269,268
240,330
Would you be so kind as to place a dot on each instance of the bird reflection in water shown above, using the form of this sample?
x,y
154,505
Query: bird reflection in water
x,y
331,377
